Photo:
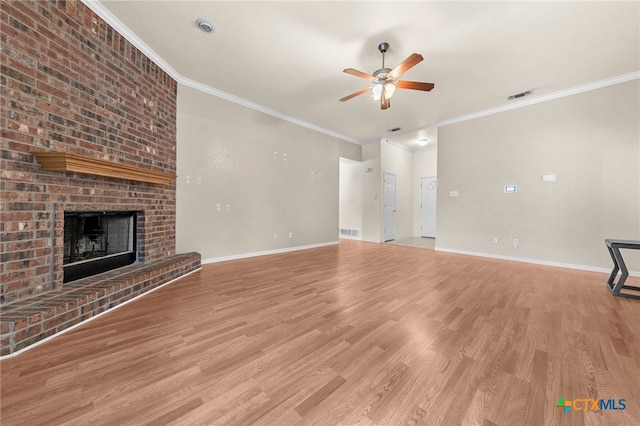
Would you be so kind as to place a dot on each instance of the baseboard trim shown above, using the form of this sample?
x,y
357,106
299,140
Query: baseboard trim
x,y
350,237
366,240
534,261
266,252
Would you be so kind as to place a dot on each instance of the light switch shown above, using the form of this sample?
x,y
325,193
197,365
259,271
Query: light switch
x,y
453,193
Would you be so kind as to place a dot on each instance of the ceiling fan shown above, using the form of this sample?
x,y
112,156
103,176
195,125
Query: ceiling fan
x,y
385,80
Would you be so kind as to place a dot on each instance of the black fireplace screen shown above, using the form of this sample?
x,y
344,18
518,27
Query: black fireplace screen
x,y
95,242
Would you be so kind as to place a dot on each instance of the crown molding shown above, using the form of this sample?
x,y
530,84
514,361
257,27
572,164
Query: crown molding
x,y
543,98
371,141
397,145
257,107
430,147
123,30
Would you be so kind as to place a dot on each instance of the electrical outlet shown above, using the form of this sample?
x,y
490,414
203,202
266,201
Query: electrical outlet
x,y
516,242
290,234
495,240
275,236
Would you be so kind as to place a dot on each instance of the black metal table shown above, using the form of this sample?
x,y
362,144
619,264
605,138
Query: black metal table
x,y
614,247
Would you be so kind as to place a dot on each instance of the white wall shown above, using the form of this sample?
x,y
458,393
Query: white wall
x,y
400,163
361,194
244,175
590,141
349,151
350,204
425,164
361,204
372,193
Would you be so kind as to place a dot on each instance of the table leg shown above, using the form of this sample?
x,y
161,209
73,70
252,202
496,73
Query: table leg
x,y
612,277
624,272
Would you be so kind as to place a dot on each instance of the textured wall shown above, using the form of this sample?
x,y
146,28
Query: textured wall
x,y
245,176
372,203
351,176
349,150
590,141
71,83
360,204
400,163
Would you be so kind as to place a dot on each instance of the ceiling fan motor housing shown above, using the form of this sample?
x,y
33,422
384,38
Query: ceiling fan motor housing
x,y
382,74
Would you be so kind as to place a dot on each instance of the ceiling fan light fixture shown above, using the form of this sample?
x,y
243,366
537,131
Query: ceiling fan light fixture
x,y
376,91
389,89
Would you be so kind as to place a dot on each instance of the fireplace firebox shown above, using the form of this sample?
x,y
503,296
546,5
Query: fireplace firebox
x,y
96,242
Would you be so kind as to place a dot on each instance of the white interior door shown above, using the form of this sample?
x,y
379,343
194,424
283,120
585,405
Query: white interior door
x,y
428,187
389,197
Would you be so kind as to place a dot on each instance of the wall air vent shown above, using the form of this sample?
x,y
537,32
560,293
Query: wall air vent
x,y
519,95
349,232
395,129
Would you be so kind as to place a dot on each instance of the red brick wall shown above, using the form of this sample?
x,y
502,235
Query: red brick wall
x,y
71,83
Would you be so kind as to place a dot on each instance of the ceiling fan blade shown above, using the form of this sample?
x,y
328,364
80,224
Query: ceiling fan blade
x,y
414,85
406,65
360,74
354,94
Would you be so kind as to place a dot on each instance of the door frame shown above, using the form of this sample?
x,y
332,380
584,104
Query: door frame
x,y
385,211
422,206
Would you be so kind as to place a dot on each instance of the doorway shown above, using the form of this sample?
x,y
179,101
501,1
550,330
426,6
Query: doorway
x,y
389,199
428,191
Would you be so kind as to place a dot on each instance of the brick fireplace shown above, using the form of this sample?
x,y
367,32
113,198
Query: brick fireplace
x,y
72,85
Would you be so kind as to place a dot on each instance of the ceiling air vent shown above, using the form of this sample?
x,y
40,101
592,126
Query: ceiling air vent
x,y
519,95
395,129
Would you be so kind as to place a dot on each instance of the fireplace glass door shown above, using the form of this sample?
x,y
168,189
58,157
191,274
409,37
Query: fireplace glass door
x,y
96,242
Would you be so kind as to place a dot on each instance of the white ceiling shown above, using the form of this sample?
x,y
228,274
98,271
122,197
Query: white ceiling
x,y
288,57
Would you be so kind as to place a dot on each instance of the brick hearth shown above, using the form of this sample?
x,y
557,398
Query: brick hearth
x,y
26,322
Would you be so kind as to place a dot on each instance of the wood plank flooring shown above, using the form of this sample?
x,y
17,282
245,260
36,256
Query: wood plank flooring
x,y
357,333
422,242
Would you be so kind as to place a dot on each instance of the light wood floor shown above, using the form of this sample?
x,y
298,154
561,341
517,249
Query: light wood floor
x,y
419,242
374,334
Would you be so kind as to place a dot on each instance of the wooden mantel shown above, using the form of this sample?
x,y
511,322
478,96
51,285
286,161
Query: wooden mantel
x,y
67,162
